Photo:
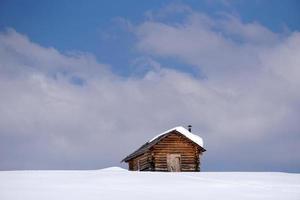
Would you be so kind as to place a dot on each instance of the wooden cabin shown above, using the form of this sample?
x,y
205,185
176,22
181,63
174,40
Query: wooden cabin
x,y
174,150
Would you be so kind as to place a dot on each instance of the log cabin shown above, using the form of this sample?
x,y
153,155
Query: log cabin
x,y
175,150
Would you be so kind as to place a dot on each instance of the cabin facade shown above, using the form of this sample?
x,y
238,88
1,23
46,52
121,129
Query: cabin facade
x,y
174,150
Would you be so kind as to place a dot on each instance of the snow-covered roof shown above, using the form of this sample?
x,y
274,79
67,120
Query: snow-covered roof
x,y
195,138
145,147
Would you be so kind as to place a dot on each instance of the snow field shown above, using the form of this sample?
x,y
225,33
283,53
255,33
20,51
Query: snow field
x,y
117,183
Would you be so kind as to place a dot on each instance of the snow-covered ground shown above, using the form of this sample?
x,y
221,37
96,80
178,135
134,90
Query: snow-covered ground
x,y
116,183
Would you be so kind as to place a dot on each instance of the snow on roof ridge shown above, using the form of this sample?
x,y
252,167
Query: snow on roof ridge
x,y
195,138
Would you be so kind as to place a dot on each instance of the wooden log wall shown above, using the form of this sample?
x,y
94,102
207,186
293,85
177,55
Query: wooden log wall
x,y
176,144
140,163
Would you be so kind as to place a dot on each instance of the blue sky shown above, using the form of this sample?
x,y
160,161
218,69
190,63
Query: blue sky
x,y
81,26
84,80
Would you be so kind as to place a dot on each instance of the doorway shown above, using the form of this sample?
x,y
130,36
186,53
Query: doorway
x,y
173,162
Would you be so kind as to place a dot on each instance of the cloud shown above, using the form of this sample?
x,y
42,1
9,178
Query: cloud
x,y
253,71
246,108
47,121
32,58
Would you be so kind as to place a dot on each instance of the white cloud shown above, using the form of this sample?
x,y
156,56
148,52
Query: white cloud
x,y
210,44
254,73
249,99
253,32
32,58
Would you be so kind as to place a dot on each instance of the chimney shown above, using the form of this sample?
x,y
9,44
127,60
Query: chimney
x,y
190,128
